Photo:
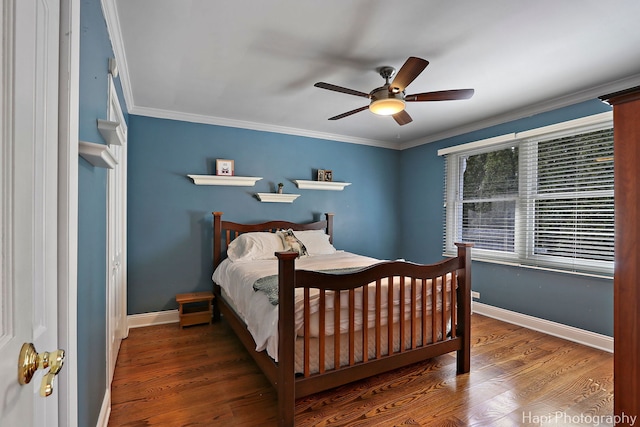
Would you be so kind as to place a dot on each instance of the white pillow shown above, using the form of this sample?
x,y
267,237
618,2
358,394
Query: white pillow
x,y
254,246
316,242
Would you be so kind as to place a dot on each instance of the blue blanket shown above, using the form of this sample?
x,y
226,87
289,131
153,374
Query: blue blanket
x,y
269,284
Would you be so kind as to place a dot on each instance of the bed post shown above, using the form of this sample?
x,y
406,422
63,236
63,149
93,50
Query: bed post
x,y
286,339
217,254
329,216
464,308
217,235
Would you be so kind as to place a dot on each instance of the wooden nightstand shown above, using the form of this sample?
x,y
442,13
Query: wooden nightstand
x,y
195,308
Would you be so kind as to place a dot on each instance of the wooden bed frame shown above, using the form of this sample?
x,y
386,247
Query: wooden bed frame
x,y
282,374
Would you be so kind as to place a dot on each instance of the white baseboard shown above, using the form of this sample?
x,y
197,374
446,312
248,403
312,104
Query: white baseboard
x,y
150,319
105,410
581,336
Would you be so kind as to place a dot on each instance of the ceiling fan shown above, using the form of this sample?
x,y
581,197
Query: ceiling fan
x,y
390,99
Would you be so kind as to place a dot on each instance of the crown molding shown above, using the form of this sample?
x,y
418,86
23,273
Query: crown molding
x,y
543,107
221,121
528,111
110,12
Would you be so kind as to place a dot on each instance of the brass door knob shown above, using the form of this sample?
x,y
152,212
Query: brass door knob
x,y
30,361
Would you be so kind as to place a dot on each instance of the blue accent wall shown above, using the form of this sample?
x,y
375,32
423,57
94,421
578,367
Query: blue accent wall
x,y
95,51
170,221
579,301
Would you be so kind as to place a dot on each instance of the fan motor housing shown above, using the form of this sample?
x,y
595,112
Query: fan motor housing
x,y
384,93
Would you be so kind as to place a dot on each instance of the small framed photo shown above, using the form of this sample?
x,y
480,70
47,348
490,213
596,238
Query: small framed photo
x,y
328,175
320,174
224,167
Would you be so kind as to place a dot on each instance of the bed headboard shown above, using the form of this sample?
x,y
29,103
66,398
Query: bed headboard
x,y
225,231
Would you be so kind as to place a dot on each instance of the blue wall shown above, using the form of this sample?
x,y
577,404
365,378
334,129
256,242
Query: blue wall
x,y
95,50
578,301
170,217
169,221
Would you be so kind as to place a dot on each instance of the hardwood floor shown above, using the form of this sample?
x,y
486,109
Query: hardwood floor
x,y
202,376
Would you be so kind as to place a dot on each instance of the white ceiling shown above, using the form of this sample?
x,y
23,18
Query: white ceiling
x,y
253,63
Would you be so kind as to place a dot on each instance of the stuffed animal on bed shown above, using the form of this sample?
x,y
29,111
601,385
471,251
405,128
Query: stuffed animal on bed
x,y
292,243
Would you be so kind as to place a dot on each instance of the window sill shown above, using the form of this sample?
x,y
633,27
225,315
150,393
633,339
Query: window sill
x,y
596,275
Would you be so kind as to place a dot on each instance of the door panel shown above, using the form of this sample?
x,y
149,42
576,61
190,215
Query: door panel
x,y
28,202
117,236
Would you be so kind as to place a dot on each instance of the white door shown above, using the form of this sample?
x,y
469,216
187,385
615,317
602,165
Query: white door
x,y
28,202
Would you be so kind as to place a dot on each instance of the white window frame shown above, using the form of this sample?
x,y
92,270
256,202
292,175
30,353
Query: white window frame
x,y
523,238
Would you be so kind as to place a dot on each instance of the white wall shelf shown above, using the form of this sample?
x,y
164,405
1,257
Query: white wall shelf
x,y
98,155
320,185
239,181
111,132
277,197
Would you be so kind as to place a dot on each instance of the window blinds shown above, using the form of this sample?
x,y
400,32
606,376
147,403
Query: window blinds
x,y
569,198
541,201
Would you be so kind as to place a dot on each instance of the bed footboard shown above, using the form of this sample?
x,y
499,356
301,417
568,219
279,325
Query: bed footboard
x,y
433,318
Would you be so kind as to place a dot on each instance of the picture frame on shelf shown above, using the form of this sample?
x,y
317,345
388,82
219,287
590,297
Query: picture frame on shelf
x,y
325,175
225,167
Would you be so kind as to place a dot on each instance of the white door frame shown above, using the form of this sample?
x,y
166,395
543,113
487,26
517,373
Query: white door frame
x,y
68,127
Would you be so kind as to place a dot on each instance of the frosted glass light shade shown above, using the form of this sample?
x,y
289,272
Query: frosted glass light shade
x,y
387,106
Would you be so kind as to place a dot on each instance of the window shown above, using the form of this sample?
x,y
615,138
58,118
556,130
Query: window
x,y
543,198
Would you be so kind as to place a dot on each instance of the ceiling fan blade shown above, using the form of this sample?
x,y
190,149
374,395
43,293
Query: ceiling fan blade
x,y
408,72
348,113
328,86
402,118
443,95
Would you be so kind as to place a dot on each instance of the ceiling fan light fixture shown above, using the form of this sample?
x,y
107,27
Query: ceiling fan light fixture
x,y
386,106
390,99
